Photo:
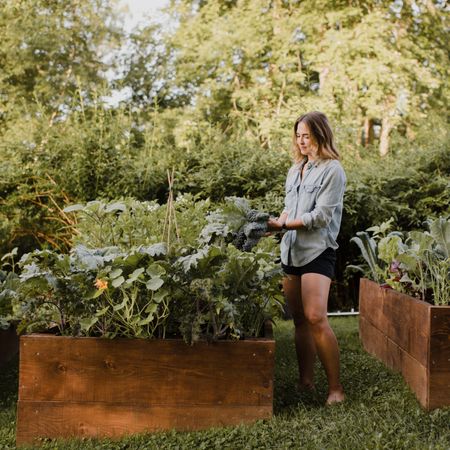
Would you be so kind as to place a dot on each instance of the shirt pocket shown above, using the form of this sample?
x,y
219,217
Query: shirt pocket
x,y
289,188
311,188
308,196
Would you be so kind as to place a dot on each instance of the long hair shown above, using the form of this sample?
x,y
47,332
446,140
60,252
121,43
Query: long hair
x,y
320,130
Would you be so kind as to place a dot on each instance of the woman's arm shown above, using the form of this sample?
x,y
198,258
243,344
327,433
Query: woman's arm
x,y
277,224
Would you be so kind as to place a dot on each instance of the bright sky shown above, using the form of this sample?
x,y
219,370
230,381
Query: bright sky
x,y
138,9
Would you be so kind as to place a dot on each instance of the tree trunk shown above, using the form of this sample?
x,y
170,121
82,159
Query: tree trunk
x,y
368,131
386,127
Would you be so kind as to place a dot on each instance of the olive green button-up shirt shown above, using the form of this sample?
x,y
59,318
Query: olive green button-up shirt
x,y
316,199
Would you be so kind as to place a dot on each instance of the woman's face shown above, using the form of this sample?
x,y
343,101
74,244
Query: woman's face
x,y
305,141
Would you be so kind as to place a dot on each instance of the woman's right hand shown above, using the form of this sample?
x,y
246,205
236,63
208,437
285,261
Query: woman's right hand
x,y
274,225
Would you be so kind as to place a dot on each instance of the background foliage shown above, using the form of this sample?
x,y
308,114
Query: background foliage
x,y
213,97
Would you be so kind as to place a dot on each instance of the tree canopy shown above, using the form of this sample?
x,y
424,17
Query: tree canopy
x,y
260,63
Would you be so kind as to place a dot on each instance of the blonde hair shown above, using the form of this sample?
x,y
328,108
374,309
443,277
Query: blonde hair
x,y
320,130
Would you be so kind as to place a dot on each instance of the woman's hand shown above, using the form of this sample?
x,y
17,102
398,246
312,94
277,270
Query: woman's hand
x,y
274,225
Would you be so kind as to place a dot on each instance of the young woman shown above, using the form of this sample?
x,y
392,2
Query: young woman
x,y
315,187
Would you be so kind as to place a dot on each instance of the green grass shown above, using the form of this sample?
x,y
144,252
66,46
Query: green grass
x,y
380,411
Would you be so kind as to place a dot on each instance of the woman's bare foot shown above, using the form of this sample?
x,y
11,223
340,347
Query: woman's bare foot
x,y
335,396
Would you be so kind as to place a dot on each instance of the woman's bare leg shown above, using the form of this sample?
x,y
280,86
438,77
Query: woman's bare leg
x,y
304,342
314,293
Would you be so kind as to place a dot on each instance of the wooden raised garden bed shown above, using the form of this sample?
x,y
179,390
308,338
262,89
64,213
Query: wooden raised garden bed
x,y
410,336
90,387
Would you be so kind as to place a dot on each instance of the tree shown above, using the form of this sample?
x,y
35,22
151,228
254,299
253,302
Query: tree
x,y
260,63
52,52
148,71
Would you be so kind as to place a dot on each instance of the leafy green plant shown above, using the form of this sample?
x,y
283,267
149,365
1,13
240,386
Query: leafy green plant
x,y
417,263
8,284
246,225
202,288
128,222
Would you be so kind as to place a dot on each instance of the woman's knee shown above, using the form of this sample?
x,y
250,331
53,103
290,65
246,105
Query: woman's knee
x,y
316,319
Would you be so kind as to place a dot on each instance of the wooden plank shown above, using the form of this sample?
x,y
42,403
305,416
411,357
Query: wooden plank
x,y
410,336
439,364
404,319
414,373
147,371
440,339
439,390
60,419
407,323
371,302
373,340
393,356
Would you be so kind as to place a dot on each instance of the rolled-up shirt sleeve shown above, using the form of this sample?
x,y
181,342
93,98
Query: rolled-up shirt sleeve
x,y
329,197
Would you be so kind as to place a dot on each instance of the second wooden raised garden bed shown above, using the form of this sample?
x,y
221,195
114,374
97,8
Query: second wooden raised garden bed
x,y
410,336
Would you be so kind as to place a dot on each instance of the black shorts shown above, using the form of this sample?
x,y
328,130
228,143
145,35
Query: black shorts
x,y
323,264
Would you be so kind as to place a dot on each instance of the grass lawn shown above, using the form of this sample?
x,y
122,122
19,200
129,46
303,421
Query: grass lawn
x,y
380,411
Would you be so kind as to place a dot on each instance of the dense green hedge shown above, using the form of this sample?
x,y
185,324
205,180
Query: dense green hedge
x,y
108,154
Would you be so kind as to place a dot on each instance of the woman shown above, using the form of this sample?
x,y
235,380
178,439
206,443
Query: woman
x,y
313,209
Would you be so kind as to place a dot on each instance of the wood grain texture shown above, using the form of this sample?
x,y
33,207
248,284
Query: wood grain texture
x,y
158,384
393,356
389,311
373,340
50,419
152,371
440,338
409,336
439,390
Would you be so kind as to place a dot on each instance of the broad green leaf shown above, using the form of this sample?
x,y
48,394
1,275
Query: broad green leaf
x,y
367,245
154,284
389,248
120,305
146,321
87,323
102,312
136,273
154,250
408,261
12,253
156,270
159,296
117,281
97,293
115,273
151,308
440,230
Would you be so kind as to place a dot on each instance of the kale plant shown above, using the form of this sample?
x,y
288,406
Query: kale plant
x,y
237,223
